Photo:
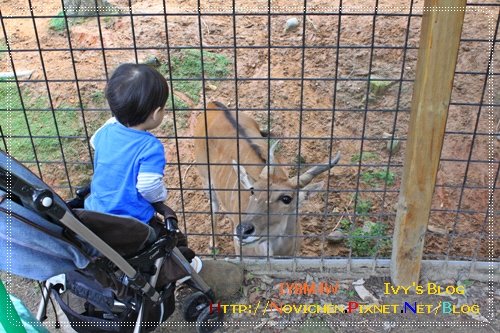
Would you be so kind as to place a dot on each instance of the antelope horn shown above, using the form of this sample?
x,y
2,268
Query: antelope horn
x,y
245,180
310,174
270,163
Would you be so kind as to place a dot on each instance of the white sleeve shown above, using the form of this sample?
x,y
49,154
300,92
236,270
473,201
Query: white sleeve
x,y
111,120
150,186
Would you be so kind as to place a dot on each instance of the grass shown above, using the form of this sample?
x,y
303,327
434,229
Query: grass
x,y
98,97
41,125
179,103
38,119
369,240
363,206
367,156
345,224
372,177
186,64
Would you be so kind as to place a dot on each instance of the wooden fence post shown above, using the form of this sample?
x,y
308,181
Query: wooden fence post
x,y
437,56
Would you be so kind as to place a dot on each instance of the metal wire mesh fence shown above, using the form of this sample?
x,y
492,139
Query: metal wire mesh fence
x,y
319,76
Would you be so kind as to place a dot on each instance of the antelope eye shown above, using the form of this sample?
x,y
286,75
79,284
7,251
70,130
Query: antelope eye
x,y
286,199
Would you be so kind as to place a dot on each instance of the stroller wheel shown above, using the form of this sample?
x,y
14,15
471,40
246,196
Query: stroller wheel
x,y
193,305
209,321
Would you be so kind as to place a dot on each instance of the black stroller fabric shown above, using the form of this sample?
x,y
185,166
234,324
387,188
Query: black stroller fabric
x,y
124,235
34,246
98,315
38,249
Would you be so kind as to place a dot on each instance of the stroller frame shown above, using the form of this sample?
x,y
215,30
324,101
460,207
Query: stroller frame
x,y
196,281
43,200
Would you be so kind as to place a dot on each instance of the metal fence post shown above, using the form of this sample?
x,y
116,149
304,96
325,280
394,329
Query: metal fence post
x,y
437,56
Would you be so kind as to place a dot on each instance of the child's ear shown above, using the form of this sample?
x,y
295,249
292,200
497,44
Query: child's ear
x,y
156,112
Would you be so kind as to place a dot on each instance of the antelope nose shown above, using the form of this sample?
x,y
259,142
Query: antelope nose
x,y
244,230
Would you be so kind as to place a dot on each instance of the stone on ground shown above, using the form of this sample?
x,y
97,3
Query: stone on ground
x,y
225,278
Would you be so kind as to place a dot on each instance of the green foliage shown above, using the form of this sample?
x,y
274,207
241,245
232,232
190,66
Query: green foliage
x,y
10,99
369,240
345,225
37,121
372,177
187,65
58,23
363,207
98,97
367,156
178,103
42,123
466,283
378,88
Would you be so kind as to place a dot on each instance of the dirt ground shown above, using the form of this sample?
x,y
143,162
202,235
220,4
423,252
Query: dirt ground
x,y
457,235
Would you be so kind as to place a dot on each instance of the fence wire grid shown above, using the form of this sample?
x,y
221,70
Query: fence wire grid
x,y
320,76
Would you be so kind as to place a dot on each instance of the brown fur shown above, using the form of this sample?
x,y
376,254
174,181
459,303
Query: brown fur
x,y
253,150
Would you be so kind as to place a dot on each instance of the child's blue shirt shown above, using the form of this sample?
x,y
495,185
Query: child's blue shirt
x,y
120,154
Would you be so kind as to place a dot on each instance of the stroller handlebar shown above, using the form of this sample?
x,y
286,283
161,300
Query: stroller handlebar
x,y
169,216
82,192
171,225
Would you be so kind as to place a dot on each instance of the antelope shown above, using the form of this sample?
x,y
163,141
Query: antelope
x,y
264,202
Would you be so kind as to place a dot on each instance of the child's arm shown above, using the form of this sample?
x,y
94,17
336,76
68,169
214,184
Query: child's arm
x,y
150,186
150,175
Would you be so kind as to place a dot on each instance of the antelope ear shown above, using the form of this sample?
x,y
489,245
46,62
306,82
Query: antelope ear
x,y
270,163
309,191
244,178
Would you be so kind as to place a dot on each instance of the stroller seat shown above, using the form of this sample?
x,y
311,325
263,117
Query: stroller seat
x,y
123,269
126,235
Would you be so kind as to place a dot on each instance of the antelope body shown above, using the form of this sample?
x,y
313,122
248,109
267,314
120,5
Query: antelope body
x,y
259,207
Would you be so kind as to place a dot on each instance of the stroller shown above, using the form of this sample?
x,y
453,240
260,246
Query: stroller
x,y
122,272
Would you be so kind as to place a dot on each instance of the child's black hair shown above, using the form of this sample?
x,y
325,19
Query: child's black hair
x,y
134,91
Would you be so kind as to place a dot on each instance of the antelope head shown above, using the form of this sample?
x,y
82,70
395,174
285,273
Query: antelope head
x,y
269,222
